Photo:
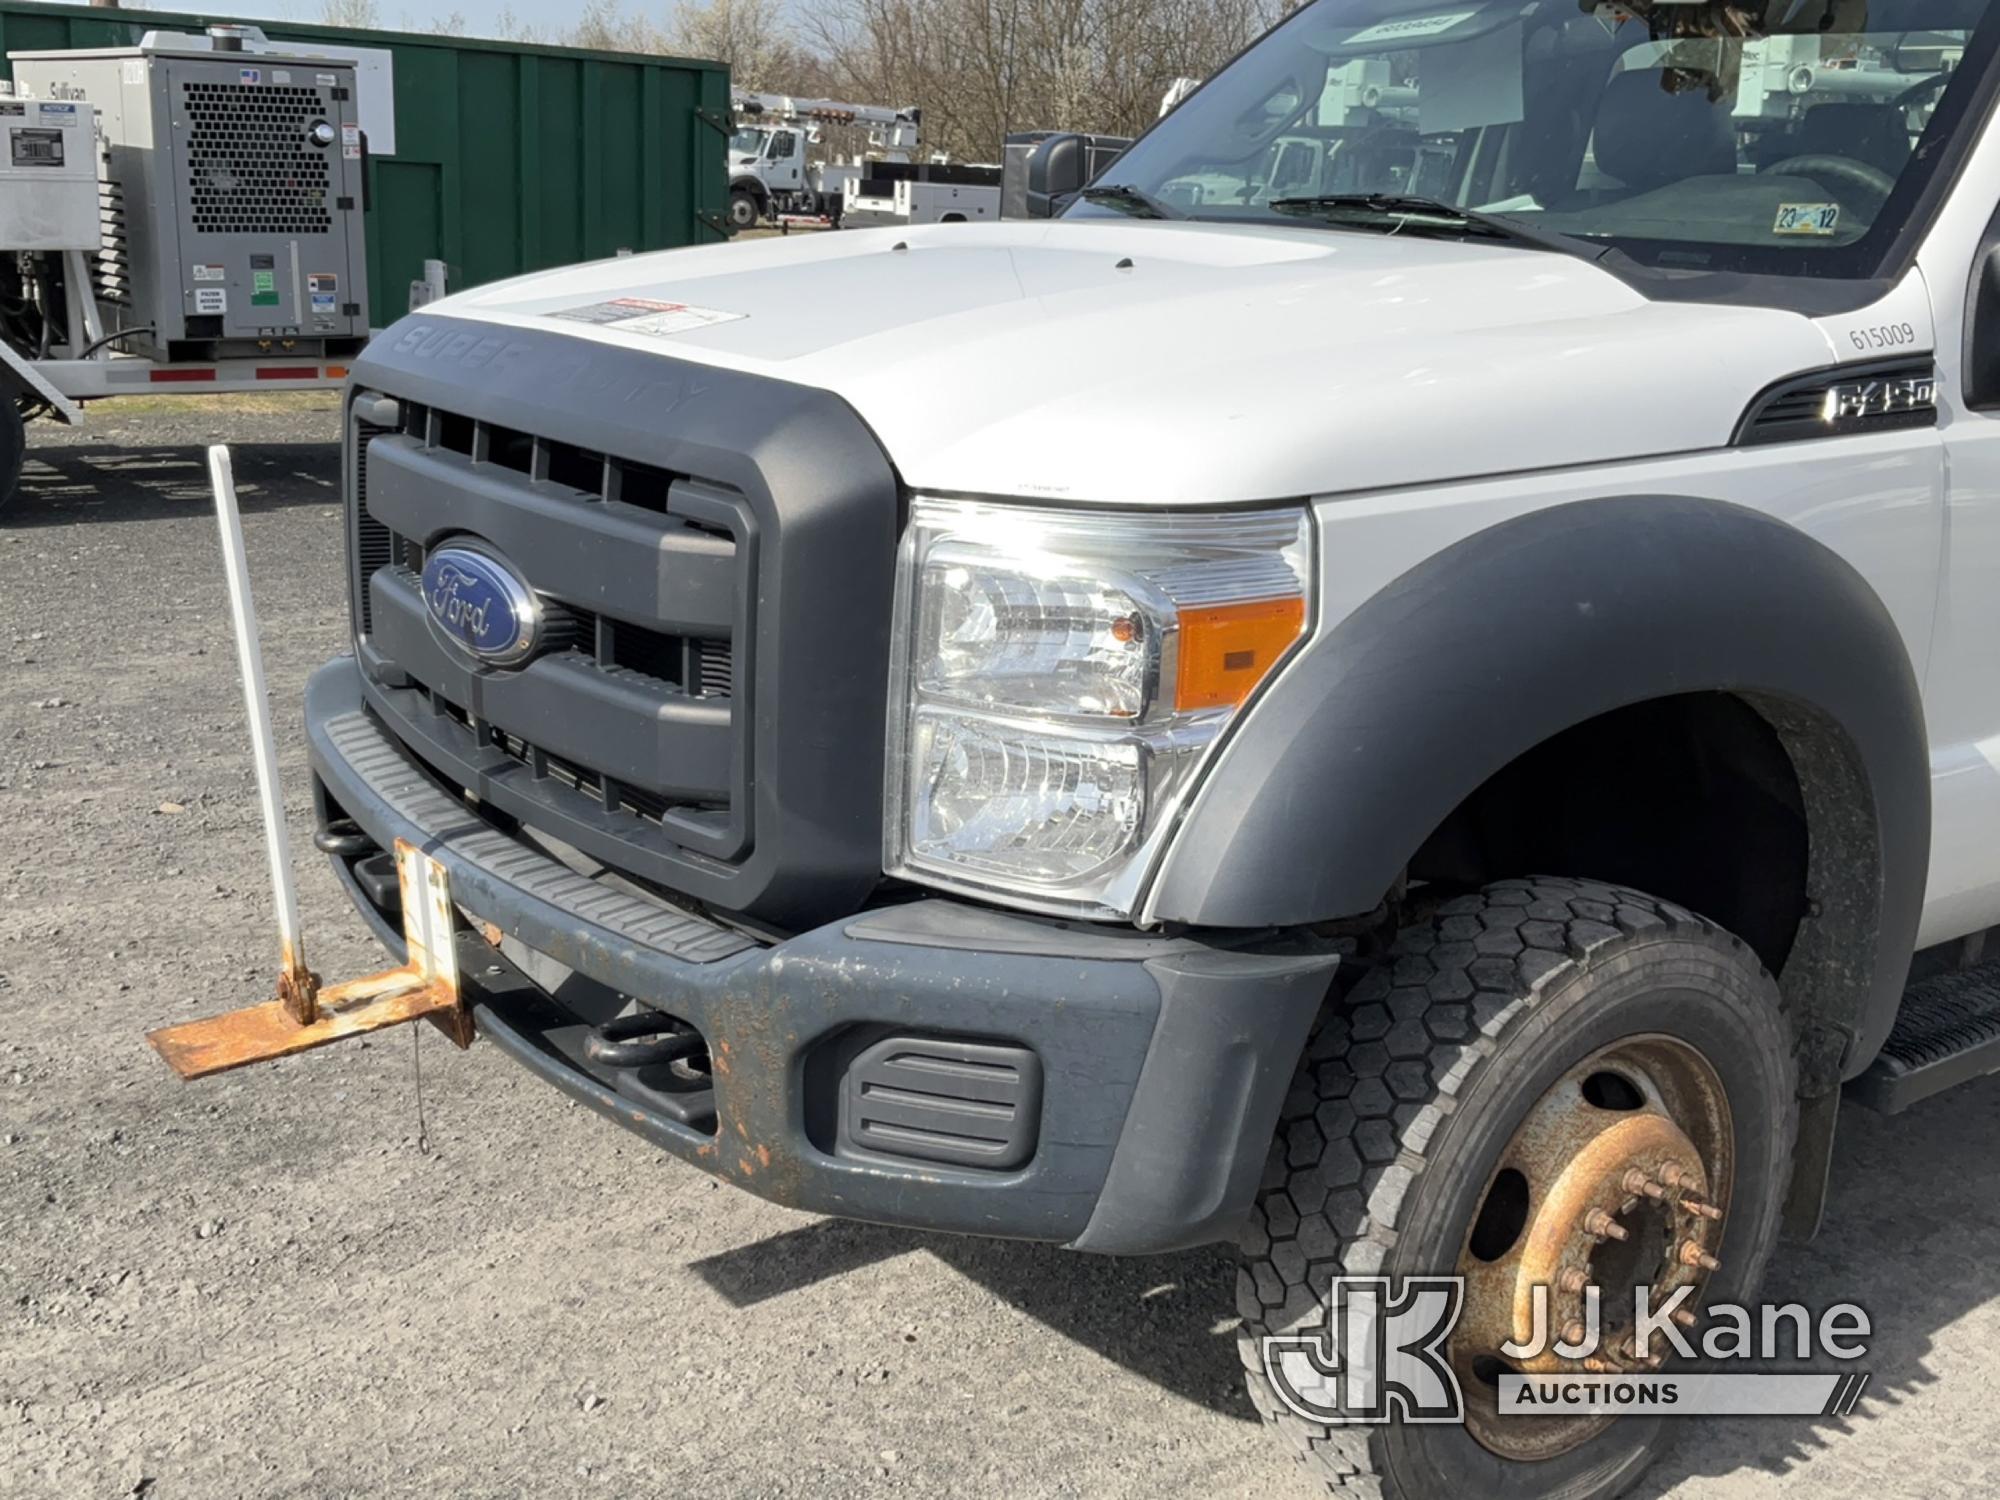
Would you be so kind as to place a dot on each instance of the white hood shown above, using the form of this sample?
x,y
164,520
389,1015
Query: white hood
x,y
1154,363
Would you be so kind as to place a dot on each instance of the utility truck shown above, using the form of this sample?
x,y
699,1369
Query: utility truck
x,y
1429,714
770,171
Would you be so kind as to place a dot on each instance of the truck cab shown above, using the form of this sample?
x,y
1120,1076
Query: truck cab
x,y
1412,684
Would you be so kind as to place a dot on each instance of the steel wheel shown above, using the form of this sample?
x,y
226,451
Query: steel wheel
x,y
1617,1180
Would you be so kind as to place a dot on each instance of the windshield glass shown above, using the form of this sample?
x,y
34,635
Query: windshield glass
x,y
1779,139
747,142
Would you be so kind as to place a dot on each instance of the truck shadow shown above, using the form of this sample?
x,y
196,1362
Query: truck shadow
x,y
1167,1318
1909,1238
65,485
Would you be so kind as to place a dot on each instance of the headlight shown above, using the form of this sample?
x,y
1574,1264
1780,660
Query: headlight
x,y
1061,680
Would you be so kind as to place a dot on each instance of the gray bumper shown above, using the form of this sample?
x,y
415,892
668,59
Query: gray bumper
x,y
1162,1062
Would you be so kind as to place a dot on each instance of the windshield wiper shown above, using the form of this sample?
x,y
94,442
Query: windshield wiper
x,y
1130,200
1397,211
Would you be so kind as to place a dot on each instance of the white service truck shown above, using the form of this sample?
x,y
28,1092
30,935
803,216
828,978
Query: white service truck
x,y
1435,722
771,170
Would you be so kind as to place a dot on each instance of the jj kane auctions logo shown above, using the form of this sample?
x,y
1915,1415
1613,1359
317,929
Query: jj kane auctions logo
x,y
1383,1355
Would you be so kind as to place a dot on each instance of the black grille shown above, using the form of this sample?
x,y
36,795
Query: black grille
x,y
251,167
375,546
440,464
733,538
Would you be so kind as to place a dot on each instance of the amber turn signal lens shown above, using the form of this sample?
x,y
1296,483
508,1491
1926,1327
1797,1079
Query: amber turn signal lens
x,y
1226,651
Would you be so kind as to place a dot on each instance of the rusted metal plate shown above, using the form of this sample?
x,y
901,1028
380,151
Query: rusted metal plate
x,y
263,1033
426,988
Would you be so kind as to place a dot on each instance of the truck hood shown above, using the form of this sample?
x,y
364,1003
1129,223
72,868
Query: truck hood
x,y
1136,362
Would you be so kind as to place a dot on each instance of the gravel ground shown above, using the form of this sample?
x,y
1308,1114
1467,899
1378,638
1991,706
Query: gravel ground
x,y
263,1285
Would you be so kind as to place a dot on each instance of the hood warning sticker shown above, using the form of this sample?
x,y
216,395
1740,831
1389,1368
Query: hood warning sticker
x,y
649,319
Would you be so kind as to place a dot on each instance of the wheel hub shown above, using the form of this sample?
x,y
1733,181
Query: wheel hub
x,y
1617,1179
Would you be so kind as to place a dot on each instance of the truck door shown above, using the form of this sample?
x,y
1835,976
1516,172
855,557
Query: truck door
x,y
784,159
1960,263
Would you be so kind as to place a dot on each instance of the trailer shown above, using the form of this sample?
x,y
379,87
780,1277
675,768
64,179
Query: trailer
x,y
181,216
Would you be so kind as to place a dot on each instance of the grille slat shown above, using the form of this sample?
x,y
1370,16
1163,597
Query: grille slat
x,y
375,545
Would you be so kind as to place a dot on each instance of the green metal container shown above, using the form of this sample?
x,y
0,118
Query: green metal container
x,y
509,157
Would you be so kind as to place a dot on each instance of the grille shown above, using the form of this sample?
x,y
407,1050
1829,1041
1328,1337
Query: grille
x,y
375,546
251,168
702,667
445,475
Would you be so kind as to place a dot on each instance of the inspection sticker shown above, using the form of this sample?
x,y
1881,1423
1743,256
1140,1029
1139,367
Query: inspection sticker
x,y
651,319
1806,218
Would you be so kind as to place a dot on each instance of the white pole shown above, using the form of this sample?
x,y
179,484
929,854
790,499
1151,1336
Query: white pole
x,y
263,745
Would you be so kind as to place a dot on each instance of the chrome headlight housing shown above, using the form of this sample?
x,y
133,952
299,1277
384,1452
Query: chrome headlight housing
x,y
1061,680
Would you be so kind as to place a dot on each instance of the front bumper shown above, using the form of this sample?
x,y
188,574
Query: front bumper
x,y
1160,1063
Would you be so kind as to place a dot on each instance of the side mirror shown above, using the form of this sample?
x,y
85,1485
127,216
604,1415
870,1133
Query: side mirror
x,y
1057,170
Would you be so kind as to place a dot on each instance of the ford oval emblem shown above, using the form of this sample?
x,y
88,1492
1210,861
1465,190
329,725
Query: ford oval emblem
x,y
481,605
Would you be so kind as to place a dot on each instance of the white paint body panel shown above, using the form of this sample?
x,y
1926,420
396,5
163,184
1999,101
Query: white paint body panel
x,y
1422,390
1238,364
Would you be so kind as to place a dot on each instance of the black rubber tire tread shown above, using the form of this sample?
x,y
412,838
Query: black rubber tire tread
x,y
1382,1073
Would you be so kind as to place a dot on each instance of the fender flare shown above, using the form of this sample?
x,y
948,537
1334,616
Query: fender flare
x,y
1368,741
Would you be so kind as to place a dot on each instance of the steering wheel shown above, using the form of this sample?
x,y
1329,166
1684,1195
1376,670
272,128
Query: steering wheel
x,y
1917,93
1836,171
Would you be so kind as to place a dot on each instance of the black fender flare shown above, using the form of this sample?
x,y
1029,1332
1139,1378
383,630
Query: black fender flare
x,y
1384,725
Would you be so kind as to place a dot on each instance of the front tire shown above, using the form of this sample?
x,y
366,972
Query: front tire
x,y
1408,1110
744,210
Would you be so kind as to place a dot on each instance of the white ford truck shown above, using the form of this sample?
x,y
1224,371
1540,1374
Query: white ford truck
x,y
1413,683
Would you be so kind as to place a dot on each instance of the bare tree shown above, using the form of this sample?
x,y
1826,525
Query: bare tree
x,y
363,15
983,68
752,36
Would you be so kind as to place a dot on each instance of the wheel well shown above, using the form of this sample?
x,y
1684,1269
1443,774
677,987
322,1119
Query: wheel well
x,y
1696,799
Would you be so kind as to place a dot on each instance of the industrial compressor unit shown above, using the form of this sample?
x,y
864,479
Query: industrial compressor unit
x,y
233,187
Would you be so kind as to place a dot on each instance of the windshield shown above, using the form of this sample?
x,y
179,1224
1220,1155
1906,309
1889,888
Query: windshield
x,y
1771,139
747,142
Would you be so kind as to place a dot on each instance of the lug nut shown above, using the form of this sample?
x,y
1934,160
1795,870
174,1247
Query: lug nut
x,y
1574,1281
1702,1210
1604,1227
1573,1334
1673,1174
1637,1181
1693,1255
1685,1318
